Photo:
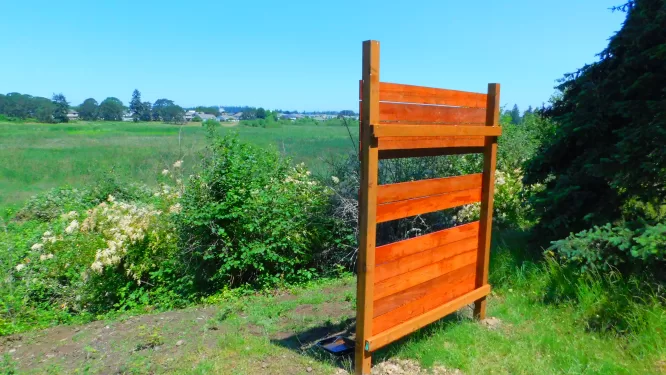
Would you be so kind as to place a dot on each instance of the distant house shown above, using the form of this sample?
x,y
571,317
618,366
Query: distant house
x,y
189,115
127,116
205,116
72,115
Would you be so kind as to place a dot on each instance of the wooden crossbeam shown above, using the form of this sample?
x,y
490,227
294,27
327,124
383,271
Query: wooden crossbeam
x,y
417,130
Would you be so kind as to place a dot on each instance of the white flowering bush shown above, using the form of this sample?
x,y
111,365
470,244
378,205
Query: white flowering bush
x,y
133,235
510,205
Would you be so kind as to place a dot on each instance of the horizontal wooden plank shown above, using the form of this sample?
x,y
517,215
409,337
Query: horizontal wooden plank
x,y
407,280
418,206
441,285
417,130
428,152
423,188
405,143
394,333
430,114
394,92
424,258
400,249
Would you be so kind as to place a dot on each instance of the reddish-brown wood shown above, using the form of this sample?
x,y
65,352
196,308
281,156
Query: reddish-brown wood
x,y
399,283
426,152
421,259
393,92
424,205
423,188
394,333
430,114
367,206
400,249
429,301
488,192
407,143
417,130
436,285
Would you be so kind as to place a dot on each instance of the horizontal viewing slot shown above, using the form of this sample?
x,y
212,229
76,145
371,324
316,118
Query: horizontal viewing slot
x,y
393,92
424,258
404,326
401,307
397,250
425,152
422,188
415,113
417,130
407,280
418,206
407,143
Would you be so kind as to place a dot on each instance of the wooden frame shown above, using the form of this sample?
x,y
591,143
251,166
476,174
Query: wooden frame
x,y
406,285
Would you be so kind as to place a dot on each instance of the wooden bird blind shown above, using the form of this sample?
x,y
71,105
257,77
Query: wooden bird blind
x,y
406,285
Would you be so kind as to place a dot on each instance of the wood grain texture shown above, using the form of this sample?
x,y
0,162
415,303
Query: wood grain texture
x,y
419,206
407,280
418,130
430,114
423,188
402,329
400,249
394,92
367,206
424,258
487,193
426,152
438,285
411,143
436,296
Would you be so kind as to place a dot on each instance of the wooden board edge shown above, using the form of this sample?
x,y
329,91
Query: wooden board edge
x,y
394,333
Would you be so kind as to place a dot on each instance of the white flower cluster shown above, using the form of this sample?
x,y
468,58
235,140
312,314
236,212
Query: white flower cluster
x,y
122,225
300,176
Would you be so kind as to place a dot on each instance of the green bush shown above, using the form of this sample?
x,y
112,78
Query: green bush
x,y
210,123
631,248
250,217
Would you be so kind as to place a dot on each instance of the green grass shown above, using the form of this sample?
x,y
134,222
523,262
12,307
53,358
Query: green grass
x,y
37,157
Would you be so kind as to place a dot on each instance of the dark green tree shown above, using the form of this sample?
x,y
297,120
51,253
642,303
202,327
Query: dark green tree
x,y
111,109
159,109
174,114
608,149
146,112
60,108
261,113
88,110
515,114
136,106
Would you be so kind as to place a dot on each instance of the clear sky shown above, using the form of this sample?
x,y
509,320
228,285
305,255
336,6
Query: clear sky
x,y
303,55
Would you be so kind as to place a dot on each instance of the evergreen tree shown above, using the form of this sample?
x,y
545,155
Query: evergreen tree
x,y
608,148
60,108
136,106
515,114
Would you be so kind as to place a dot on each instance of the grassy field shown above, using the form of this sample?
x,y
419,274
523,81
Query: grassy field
x,y
37,157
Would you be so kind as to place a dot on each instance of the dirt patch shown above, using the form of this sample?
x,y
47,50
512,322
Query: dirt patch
x,y
491,323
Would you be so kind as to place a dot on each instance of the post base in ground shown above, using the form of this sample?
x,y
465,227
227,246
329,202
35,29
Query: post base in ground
x,y
480,309
362,361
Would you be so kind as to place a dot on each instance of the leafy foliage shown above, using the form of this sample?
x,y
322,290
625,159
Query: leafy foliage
x,y
111,109
608,147
89,110
249,217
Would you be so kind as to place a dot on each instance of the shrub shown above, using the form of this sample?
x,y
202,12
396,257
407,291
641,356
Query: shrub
x,y
210,123
196,119
631,248
250,217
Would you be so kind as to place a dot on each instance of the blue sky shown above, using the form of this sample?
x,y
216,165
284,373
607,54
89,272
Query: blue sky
x,y
303,55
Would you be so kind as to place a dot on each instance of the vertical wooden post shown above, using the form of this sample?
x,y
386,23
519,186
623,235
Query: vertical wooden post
x,y
487,193
367,206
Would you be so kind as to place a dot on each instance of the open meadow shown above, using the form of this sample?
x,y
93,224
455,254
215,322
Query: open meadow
x,y
37,157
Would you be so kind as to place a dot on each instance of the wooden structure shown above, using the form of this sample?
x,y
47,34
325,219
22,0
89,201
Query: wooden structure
x,y
409,284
